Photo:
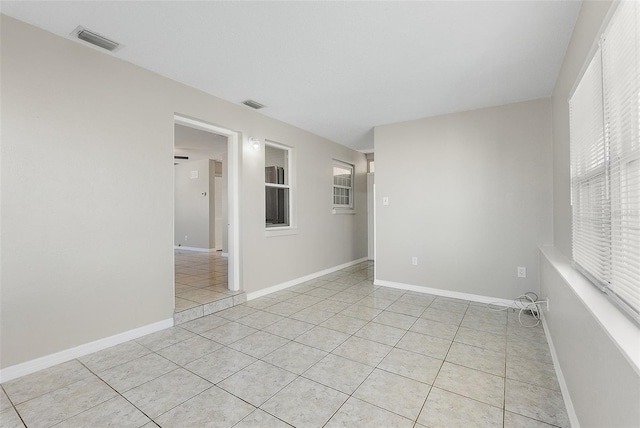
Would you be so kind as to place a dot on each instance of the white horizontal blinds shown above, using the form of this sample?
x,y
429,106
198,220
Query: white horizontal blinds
x,y
591,211
621,79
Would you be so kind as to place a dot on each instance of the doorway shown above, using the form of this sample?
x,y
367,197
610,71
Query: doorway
x,y
206,221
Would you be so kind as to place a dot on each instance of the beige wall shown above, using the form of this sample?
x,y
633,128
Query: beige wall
x,y
87,195
469,195
604,386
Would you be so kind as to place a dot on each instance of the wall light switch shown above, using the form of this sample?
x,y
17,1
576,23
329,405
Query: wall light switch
x,y
385,200
522,272
194,174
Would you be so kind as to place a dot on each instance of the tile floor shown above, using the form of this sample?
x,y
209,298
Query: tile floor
x,y
201,285
332,352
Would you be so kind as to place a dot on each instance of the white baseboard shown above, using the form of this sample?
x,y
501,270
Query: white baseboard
x,y
47,361
571,411
198,249
444,293
284,285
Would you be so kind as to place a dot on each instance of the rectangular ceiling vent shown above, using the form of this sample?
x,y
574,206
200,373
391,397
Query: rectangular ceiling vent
x,y
253,104
95,39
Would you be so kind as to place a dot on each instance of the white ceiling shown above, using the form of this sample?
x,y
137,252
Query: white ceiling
x,y
336,69
198,145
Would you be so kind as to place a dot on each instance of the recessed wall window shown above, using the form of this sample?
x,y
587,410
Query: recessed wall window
x,y
342,185
605,162
277,161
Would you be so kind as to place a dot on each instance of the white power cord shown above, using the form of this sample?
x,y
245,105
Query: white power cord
x,y
527,302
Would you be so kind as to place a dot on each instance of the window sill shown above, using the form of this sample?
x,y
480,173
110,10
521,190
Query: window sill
x,y
280,232
343,211
619,327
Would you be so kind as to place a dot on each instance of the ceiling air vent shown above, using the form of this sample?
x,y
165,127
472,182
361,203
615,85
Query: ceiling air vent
x,y
253,104
95,39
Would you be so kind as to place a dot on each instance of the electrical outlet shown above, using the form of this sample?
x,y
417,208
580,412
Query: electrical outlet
x,y
185,237
414,261
522,272
385,200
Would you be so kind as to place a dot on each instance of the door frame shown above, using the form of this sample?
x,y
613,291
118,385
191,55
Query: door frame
x,y
233,192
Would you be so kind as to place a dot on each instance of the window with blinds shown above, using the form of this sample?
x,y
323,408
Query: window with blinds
x,y
605,162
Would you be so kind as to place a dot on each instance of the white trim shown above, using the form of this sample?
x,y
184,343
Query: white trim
x,y
280,231
444,293
225,254
201,250
284,285
47,361
571,411
233,191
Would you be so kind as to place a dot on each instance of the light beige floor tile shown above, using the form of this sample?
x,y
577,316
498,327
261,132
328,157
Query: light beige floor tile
x,y
361,312
258,382
199,411
363,351
45,381
395,319
420,299
305,300
375,302
295,357
134,373
529,351
406,309
164,393
423,344
440,315
189,350
61,404
346,297
332,306
259,344
304,403
532,371
260,319
381,333
220,364
322,338
4,401
229,333
285,308
537,403
444,409
339,373
184,304
312,315
482,339
203,324
485,324
455,307
360,414
344,324
392,392
434,328
10,419
116,412
288,328
410,364
236,312
261,419
512,420
217,306
164,338
323,293
477,358
261,303
471,383
188,315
